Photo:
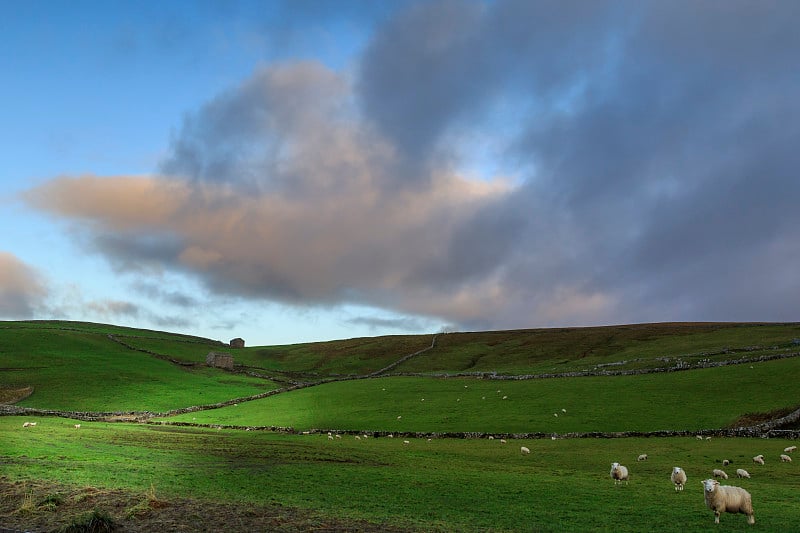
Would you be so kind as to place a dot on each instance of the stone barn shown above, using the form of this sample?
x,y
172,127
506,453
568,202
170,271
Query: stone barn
x,y
220,360
238,342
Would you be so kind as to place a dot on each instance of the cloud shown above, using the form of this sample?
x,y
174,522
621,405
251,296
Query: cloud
x,y
22,289
649,151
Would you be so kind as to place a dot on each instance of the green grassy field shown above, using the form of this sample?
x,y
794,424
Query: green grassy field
x,y
450,484
444,484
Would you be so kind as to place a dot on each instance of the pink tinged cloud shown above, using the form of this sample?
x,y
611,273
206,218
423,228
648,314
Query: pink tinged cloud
x,y
22,290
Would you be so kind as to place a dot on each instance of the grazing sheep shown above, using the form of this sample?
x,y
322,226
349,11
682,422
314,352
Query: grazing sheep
x,y
619,473
27,424
563,410
502,441
406,442
741,472
678,477
77,426
491,437
338,436
790,449
699,437
358,438
725,462
524,451
330,437
785,458
727,499
720,473
759,459
642,457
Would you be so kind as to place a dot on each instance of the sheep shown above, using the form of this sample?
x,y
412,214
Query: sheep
x,y
358,438
27,424
759,459
725,462
719,473
524,450
406,442
491,437
699,437
727,499
642,457
678,477
619,473
785,458
790,449
502,441
330,437
741,472
77,426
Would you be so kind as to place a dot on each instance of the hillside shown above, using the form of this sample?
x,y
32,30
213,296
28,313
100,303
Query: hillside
x,y
277,438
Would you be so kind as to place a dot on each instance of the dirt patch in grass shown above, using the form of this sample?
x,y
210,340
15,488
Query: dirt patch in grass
x,y
10,395
45,507
753,419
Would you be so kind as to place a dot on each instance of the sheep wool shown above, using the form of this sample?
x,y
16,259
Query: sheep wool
x,y
785,458
727,499
619,473
741,472
642,457
678,478
759,459
720,473
790,449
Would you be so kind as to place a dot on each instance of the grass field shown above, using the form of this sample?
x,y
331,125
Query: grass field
x,y
381,483
450,484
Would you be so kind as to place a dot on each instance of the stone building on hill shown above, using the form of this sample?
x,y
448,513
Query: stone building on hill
x,y
238,342
220,360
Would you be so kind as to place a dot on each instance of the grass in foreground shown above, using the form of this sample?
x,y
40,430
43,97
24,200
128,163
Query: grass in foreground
x,y
446,484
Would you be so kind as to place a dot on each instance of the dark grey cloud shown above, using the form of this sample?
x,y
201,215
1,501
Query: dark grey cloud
x,y
382,324
651,148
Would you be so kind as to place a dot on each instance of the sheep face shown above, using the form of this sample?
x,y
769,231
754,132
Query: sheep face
x,y
710,485
676,469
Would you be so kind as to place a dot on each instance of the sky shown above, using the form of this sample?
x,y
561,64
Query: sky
x,y
310,170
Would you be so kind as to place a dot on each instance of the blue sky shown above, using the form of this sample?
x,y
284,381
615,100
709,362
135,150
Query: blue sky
x,y
297,171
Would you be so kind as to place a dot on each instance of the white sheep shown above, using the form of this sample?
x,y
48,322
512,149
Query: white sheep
x,y
502,441
785,458
678,477
727,499
741,472
77,426
524,450
619,473
699,437
725,462
790,449
406,442
759,459
28,424
719,473
642,457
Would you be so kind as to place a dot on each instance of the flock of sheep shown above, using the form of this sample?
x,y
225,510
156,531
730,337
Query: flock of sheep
x,y
719,498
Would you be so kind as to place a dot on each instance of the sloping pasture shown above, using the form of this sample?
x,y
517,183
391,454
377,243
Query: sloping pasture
x,y
86,371
686,400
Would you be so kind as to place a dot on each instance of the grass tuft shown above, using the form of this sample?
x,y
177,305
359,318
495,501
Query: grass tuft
x,y
95,521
